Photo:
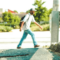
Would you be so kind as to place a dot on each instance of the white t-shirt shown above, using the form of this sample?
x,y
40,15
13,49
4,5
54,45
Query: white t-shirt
x,y
28,21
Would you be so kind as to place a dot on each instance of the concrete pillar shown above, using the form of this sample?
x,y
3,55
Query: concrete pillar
x,y
55,22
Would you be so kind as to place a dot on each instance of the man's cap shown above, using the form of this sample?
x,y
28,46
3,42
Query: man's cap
x,y
32,9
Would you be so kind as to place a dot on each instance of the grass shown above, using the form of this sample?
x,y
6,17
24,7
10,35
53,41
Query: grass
x,y
33,26
36,28
5,28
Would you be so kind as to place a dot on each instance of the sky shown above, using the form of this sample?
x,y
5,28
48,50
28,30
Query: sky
x,y
22,5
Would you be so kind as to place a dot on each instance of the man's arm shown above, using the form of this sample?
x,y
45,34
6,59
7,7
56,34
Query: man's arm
x,y
38,25
21,26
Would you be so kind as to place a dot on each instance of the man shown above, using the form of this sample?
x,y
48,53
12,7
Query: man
x,y
26,27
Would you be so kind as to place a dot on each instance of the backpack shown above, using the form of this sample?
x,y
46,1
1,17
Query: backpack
x,y
21,20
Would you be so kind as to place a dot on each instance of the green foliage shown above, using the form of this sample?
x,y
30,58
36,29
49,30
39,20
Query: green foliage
x,y
49,12
16,19
46,27
5,17
16,27
55,47
1,19
10,18
41,13
8,28
36,28
5,28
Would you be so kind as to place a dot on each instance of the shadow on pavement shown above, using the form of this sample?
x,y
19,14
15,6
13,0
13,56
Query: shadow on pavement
x,y
28,54
18,54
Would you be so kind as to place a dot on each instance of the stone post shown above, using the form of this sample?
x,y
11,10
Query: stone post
x,y
55,23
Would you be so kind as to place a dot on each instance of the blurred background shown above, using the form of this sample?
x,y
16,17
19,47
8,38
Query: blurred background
x,y
11,12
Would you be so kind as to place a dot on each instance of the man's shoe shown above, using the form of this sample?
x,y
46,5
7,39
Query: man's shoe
x,y
36,46
18,47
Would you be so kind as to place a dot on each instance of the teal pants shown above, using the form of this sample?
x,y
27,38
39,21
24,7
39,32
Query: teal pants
x,y
26,32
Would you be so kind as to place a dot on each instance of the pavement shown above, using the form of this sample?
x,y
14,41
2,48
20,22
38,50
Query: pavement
x,y
28,54
9,41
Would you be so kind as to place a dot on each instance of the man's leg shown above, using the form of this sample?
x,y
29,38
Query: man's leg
x,y
33,36
22,39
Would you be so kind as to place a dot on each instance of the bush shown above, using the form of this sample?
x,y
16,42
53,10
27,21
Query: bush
x,y
5,28
10,18
55,47
46,27
8,28
36,28
2,29
16,27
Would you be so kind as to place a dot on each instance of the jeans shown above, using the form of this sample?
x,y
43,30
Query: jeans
x,y
26,32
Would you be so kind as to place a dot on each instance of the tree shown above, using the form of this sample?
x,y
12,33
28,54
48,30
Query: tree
x,y
1,19
41,12
4,16
49,12
10,18
17,19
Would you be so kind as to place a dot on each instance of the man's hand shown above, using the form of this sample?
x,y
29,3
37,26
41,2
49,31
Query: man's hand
x,y
21,26
41,28
38,25
20,29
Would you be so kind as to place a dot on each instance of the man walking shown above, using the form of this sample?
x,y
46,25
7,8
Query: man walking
x,y
26,27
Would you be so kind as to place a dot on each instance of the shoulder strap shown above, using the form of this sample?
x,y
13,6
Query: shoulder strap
x,y
28,17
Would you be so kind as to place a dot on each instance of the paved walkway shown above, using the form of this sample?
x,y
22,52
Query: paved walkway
x,y
28,54
9,41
